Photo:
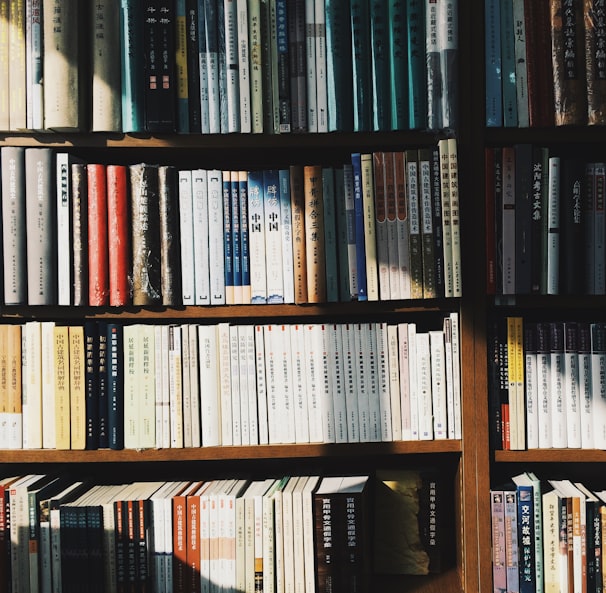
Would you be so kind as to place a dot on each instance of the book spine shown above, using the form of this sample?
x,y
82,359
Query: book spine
x,y
492,29
132,68
17,66
314,235
523,218
115,393
186,236
170,261
77,393
236,235
232,66
227,237
414,218
181,67
310,78
283,72
79,194
426,223
216,254
595,71
362,66
64,220
243,67
508,67
553,227
4,66
256,66
200,231
381,88
321,79
521,42
273,236
256,229
297,200
91,352
297,63
287,237
194,69
330,234
98,253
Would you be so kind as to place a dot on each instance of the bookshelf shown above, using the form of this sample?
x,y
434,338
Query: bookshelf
x,y
465,462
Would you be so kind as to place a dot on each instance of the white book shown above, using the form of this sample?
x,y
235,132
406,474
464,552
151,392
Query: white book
x,y
448,371
201,237
598,381
147,404
370,235
531,386
242,332
244,67
186,238
214,574
270,547
521,64
209,381
553,226
557,369
310,45
288,534
32,385
279,574
456,372
374,394
194,385
4,405
205,534
309,532
260,367
273,236
287,427
405,386
438,384
256,238
228,556
225,386
260,571
232,66
47,349
393,368
585,385
455,218
425,404
350,381
215,239
403,227
160,376
327,395
321,70
571,386
298,535
383,375
251,382
414,397
508,223
64,232
299,370
544,386
245,538
288,271
337,380
175,386
186,385
315,382
133,361
362,343
236,395
34,74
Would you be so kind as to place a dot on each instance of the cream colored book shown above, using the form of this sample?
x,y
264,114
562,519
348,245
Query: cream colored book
x,y
77,390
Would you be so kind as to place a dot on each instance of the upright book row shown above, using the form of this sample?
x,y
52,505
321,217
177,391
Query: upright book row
x,y
159,386
545,63
547,535
545,223
547,387
384,226
225,66
311,533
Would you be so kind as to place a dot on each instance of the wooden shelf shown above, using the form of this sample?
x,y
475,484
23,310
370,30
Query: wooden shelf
x,y
345,450
551,456
448,581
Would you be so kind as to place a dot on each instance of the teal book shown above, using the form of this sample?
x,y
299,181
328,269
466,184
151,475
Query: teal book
x,y
417,82
342,244
339,66
356,164
508,66
397,65
132,67
362,65
379,41
492,31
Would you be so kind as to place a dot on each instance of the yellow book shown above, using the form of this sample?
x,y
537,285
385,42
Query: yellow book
x,y
77,391
370,234
4,419
62,387
516,407
14,391
314,234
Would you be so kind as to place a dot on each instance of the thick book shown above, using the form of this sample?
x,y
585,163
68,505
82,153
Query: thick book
x,y
33,53
521,43
132,67
186,238
416,63
182,67
118,236
314,234
379,55
170,261
297,201
98,252
492,32
523,191
17,54
4,66
397,65
66,89
79,205
160,90
40,226
216,249
77,390
91,382
194,67
199,179
256,230
595,70
145,237
360,244
295,15
361,66
568,62
13,227
508,67
283,66
106,91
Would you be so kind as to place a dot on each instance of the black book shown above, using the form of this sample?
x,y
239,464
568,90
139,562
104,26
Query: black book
x,y
79,190
538,216
193,67
297,65
102,385
91,382
438,231
159,66
115,385
523,217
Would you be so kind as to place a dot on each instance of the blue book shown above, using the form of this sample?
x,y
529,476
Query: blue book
x,y
381,92
339,66
228,248
288,272
244,242
235,236
397,65
223,74
416,64
341,221
508,65
526,538
256,235
330,234
492,30
211,51
203,59
131,66
362,65
356,164
115,385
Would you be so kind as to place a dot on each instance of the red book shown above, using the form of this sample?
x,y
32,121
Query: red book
x,y
98,275
118,235
491,263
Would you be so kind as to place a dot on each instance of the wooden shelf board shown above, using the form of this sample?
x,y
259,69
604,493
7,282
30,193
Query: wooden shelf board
x,y
551,455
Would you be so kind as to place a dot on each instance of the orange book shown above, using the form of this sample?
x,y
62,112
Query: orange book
x,y
118,235
298,233
98,264
314,234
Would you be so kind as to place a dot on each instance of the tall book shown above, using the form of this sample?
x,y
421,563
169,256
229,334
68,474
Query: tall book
x,y
4,66
492,32
17,66
41,211
594,65
145,238
131,67
297,201
295,15
98,252
216,255
416,64
182,66
79,205
314,234
362,65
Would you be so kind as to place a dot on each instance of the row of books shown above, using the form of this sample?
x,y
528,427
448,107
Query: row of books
x,y
547,535
384,226
547,386
140,386
545,223
545,63
309,533
225,66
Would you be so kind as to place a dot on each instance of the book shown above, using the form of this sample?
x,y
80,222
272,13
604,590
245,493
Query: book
x,y
40,226
283,66
414,228
594,74
508,66
297,201
256,229
286,226
106,90
33,76
416,64
330,234
64,228
508,219
380,74
79,196
232,73
115,386
77,392
382,225
193,39
361,66
216,254
145,234
553,226
182,66
523,217
492,31
131,68
14,227
201,235
4,68
186,235
314,234
98,237
571,385
448,44
91,383
360,239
